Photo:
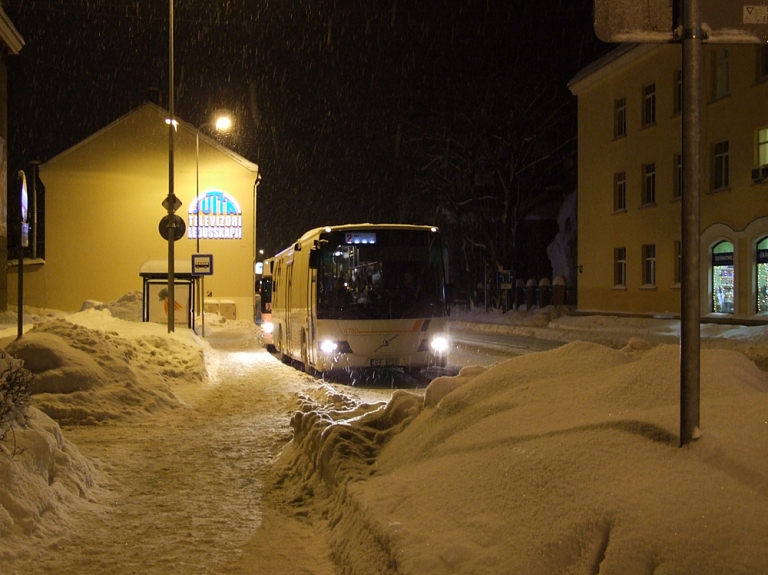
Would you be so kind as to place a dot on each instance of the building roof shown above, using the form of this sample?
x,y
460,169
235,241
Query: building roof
x,y
605,66
182,125
8,33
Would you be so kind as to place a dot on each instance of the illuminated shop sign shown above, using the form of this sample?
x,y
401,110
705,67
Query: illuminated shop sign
x,y
725,259
215,215
762,256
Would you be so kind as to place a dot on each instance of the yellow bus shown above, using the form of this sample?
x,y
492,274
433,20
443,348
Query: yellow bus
x,y
361,296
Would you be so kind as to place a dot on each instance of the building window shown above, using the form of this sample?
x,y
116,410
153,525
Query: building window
x,y
649,264
620,192
649,105
620,267
762,62
677,104
722,278
678,262
720,86
720,166
677,184
762,276
762,147
620,118
649,184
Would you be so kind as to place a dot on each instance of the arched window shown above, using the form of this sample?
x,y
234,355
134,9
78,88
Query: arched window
x,y
762,276
722,277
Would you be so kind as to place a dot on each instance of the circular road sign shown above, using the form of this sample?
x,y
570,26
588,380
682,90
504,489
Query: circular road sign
x,y
178,231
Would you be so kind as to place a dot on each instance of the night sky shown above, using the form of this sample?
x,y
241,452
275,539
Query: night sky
x,y
330,101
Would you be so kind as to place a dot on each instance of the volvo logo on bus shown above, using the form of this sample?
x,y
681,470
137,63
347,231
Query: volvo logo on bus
x,y
215,215
385,343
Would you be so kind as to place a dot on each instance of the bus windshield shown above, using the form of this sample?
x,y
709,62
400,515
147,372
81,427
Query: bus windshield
x,y
380,274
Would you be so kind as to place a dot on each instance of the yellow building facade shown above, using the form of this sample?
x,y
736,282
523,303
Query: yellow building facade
x,y
11,44
630,180
103,206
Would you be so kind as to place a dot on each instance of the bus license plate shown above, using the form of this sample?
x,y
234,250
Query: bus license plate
x,y
392,362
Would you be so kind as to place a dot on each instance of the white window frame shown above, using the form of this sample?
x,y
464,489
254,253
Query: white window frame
x,y
649,184
762,62
620,192
762,146
720,73
677,183
649,265
620,267
649,105
620,118
677,103
721,166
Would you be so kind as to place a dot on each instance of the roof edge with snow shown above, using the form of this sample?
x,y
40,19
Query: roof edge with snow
x,y
247,164
604,67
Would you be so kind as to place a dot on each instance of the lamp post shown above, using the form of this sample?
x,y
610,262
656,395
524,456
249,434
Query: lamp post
x,y
221,124
171,200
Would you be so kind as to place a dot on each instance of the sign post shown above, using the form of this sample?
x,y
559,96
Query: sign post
x,y
23,242
690,22
171,202
202,265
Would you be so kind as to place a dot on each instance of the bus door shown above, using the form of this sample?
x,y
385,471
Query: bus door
x,y
311,314
288,309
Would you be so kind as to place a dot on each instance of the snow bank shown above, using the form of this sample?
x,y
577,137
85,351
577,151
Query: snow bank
x,y
558,462
42,475
93,374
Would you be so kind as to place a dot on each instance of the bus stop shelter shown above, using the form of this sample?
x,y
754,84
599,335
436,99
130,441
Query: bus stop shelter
x,y
154,274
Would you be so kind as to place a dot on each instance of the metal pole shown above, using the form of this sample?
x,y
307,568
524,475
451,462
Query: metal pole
x,y
255,238
171,196
690,293
197,224
20,313
33,210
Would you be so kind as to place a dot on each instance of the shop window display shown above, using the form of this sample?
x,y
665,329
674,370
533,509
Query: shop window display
x,y
762,276
722,278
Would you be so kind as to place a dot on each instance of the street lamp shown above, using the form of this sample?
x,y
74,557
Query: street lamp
x,y
222,124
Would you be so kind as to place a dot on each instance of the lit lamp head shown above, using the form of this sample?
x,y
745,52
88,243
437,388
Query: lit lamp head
x,y
223,123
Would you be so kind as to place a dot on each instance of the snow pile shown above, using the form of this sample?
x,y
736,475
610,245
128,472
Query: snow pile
x,y
129,307
564,461
42,475
92,374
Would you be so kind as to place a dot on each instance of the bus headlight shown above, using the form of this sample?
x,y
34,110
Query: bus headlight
x,y
328,346
439,344
267,327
